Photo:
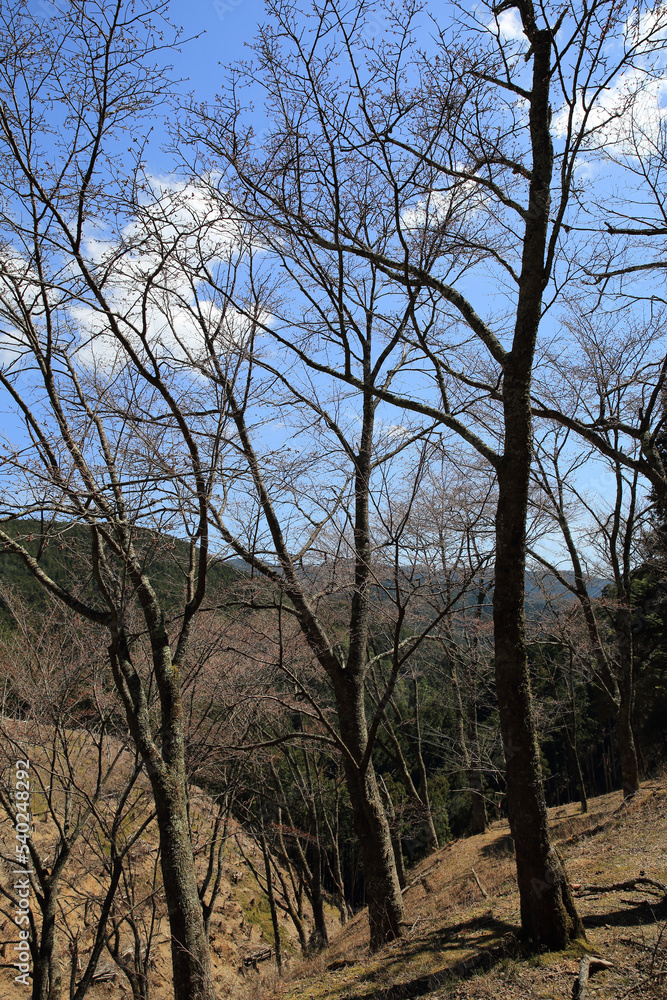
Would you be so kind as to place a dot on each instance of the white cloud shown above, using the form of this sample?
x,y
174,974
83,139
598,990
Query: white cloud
x,y
628,115
646,27
156,284
154,278
626,118
20,292
509,26
448,205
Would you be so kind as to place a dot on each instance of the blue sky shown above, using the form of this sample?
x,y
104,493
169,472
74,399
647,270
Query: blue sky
x,y
224,29
226,25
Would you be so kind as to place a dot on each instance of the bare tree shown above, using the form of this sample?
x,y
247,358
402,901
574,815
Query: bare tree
x,y
560,626
88,335
59,716
579,385
611,546
433,170
445,550
138,919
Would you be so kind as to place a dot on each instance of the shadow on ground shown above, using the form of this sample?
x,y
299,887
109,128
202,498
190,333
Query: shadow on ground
x,y
478,933
644,912
501,847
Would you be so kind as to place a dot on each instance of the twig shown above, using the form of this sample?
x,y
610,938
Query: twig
x,y
479,884
580,988
655,950
641,884
588,967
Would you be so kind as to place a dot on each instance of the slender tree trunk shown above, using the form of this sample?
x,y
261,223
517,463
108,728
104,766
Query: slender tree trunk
x,y
573,742
191,963
272,902
336,870
46,979
426,836
479,818
428,829
627,751
394,833
385,903
190,953
320,934
548,914
399,859
474,777
294,909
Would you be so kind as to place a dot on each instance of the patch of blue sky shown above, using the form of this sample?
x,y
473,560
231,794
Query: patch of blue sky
x,y
219,30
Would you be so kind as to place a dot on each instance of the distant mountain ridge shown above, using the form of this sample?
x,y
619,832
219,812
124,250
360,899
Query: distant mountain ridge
x,y
62,551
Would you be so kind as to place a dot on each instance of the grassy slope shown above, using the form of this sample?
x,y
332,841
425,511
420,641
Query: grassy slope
x,y
459,944
240,922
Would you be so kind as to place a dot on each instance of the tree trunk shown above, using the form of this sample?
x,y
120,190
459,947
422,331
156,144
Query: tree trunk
x,y
190,953
573,741
479,818
46,979
428,829
337,871
394,833
399,859
320,934
576,761
425,836
191,962
627,751
385,903
548,915
474,777
272,902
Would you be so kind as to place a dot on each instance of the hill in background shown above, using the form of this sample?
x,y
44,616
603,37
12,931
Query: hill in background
x,y
62,551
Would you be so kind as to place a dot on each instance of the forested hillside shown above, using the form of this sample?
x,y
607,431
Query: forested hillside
x,y
60,550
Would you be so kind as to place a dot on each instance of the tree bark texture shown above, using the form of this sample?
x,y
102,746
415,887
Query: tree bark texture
x,y
548,914
46,979
385,903
190,954
191,963
627,749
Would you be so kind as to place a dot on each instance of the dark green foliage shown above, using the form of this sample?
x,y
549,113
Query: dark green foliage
x,y
649,592
63,552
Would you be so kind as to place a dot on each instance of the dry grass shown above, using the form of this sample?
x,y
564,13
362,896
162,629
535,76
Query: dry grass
x,y
459,944
239,922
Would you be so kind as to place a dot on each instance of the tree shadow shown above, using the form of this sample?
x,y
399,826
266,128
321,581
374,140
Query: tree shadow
x,y
645,912
493,940
501,847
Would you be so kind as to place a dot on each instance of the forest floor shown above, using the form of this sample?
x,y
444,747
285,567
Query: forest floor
x,y
462,919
